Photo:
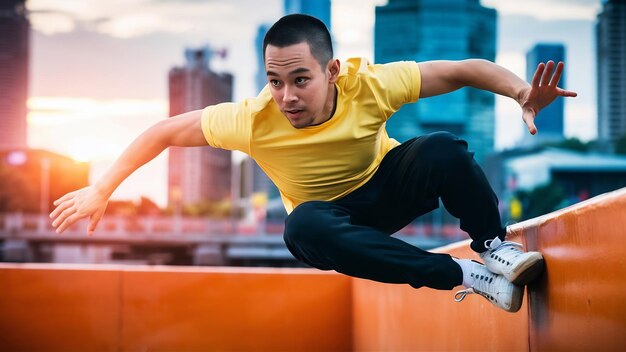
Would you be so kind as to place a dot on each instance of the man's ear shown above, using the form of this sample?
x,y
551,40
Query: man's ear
x,y
333,70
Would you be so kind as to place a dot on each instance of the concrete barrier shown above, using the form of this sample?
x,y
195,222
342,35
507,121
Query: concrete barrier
x,y
579,304
576,305
95,308
400,318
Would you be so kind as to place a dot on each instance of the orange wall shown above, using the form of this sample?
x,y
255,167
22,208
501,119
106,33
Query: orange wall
x,y
400,318
580,303
69,308
577,304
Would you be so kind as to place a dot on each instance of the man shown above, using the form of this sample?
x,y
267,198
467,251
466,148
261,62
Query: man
x,y
318,131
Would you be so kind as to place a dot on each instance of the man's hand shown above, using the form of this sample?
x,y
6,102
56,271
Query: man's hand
x,y
85,202
542,91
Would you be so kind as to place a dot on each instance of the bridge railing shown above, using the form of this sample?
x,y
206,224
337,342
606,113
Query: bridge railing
x,y
118,225
18,222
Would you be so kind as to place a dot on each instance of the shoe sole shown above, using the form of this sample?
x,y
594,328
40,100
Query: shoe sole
x,y
528,271
516,299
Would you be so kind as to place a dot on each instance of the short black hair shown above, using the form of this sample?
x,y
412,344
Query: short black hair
x,y
298,28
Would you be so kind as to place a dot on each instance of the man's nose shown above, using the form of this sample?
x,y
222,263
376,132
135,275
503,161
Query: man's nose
x,y
289,95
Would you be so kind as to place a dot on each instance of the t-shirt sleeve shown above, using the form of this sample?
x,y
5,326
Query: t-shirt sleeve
x,y
399,84
227,126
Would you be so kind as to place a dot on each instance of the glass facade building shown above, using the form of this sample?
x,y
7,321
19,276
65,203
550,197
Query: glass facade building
x,y
14,58
316,8
611,69
422,30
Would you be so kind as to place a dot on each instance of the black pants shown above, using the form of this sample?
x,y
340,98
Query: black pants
x,y
352,235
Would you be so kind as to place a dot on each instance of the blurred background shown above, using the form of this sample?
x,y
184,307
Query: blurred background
x,y
79,80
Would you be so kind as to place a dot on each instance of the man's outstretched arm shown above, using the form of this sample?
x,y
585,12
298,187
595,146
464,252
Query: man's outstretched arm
x,y
182,131
440,77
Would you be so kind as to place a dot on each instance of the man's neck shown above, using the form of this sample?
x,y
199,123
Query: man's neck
x,y
333,107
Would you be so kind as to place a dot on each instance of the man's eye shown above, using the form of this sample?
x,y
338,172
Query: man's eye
x,y
274,82
301,80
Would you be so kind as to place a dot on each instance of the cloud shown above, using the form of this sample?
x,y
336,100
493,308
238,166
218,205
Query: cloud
x,y
353,33
52,22
133,18
57,111
547,10
581,120
138,24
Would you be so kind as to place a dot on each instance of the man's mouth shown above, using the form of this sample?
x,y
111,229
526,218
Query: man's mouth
x,y
293,113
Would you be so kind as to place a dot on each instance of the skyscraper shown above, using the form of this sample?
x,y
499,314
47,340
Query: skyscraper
x,y
611,54
316,8
14,50
549,121
261,78
200,173
260,182
423,30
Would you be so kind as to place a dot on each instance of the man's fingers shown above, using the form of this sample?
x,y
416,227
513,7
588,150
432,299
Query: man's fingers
x,y
93,221
566,93
64,198
547,73
537,76
61,208
529,119
69,221
63,216
556,77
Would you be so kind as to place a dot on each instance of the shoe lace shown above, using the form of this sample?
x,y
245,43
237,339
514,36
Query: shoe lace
x,y
480,286
460,295
515,248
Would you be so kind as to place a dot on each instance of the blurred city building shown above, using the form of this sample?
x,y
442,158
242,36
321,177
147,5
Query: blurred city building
x,y
550,120
423,30
198,174
611,71
319,9
14,59
261,78
568,175
260,182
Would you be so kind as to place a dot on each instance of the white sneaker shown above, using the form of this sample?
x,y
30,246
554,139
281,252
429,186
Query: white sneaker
x,y
508,259
496,288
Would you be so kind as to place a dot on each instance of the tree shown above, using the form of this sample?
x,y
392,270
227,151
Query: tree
x,y
15,193
147,207
541,200
574,144
620,145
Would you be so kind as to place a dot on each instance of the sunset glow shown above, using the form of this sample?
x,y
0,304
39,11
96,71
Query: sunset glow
x,y
89,129
97,131
87,149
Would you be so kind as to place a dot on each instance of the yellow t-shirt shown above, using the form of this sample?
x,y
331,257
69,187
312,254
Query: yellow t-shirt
x,y
330,160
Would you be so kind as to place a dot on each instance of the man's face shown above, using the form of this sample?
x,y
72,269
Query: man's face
x,y
303,90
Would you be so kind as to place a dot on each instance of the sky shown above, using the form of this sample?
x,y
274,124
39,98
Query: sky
x,y
98,70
